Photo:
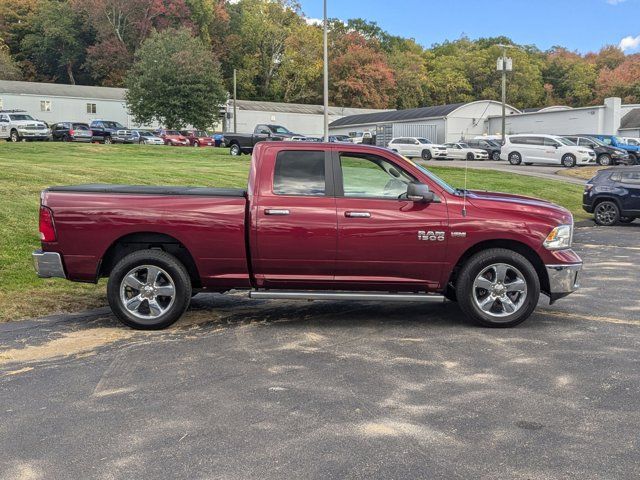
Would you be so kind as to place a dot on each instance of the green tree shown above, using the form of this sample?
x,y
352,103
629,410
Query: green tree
x,y
9,69
56,44
166,85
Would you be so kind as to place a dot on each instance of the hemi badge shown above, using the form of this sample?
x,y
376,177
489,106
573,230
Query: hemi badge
x,y
458,234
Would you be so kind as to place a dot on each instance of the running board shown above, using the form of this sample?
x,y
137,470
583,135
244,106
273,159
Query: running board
x,y
358,296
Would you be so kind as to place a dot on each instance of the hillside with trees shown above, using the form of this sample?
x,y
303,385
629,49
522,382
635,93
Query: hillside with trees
x,y
278,55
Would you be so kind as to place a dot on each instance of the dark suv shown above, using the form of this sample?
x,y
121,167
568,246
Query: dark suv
x,y
492,147
71,132
613,195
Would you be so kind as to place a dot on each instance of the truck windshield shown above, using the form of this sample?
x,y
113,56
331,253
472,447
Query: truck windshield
x,y
21,117
115,125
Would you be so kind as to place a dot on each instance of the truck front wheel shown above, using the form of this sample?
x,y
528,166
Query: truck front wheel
x,y
13,136
498,288
149,289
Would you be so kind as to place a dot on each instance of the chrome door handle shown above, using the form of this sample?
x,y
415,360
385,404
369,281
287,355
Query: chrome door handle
x,y
357,214
275,211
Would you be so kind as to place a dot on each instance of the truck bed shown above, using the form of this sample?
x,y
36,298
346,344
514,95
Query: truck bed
x,y
150,190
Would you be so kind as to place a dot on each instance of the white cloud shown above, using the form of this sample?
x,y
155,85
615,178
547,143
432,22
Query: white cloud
x,y
615,2
313,21
629,43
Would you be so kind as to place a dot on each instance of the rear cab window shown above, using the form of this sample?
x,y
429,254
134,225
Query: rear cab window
x,y
300,173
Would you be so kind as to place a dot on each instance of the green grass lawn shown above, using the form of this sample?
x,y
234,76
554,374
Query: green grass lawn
x,y
27,168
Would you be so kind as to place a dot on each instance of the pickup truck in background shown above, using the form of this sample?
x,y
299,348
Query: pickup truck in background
x,y
240,143
103,130
318,221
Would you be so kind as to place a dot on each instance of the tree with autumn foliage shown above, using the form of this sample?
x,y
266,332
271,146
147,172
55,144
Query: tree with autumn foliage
x,y
166,86
359,74
622,81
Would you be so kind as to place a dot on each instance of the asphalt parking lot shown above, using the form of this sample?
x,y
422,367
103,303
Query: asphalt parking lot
x,y
259,390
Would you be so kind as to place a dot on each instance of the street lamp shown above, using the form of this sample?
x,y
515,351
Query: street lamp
x,y
326,76
505,64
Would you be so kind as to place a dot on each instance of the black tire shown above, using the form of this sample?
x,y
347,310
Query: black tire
x,y
14,137
568,160
107,140
606,213
471,157
626,219
633,158
65,138
515,158
196,144
604,160
177,276
235,150
426,155
465,291
495,156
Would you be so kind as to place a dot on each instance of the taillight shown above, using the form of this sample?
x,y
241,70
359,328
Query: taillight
x,y
72,133
47,227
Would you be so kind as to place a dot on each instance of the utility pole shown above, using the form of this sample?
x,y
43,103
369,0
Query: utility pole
x,y
235,97
504,64
326,76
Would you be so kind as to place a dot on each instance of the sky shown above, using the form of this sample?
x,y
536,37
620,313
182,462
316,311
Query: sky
x,y
580,25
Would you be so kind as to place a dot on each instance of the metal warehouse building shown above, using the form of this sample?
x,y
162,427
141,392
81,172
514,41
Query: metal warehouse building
x,y
53,102
440,124
299,118
612,118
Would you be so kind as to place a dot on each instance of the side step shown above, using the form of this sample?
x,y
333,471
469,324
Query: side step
x,y
358,296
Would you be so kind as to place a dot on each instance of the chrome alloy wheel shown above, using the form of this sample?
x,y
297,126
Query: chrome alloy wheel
x,y
147,291
606,213
500,290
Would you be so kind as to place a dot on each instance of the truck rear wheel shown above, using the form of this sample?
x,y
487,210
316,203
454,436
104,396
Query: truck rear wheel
x,y
235,150
498,288
149,289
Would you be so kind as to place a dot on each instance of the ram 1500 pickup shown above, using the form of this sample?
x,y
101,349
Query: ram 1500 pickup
x,y
317,221
240,143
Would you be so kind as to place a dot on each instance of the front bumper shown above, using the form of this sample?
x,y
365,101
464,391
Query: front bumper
x,y
563,280
48,264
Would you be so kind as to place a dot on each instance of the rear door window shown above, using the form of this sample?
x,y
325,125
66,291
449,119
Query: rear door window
x,y
300,173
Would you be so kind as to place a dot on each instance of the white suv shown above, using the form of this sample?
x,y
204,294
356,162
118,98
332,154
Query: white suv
x,y
549,149
16,125
412,147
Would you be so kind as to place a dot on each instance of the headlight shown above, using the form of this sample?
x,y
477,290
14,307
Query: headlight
x,y
560,237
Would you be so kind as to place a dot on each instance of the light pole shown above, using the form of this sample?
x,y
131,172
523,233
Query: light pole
x,y
326,76
505,64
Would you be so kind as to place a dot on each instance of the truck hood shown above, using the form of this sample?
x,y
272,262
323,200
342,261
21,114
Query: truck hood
x,y
507,202
28,123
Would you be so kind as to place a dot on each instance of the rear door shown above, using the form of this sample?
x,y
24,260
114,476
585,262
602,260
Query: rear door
x,y
630,181
295,225
384,240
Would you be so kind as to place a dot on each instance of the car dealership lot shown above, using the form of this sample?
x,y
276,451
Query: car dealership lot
x,y
249,389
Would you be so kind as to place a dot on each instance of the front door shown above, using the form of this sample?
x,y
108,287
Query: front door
x,y
385,241
630,181
295,220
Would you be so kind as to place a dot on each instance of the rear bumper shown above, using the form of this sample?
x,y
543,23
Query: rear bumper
x,y
563,280
48,264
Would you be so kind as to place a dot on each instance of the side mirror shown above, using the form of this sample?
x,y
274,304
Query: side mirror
x,y
419,192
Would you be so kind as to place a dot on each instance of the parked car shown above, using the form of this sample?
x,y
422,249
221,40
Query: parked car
x,y
631,141
104,129
124,137
17,125
547,149
363,223
198,138
240,143
462,151
340,138
492,147
605,154
417,147
613,195
617,142
71,132
172,137
147,137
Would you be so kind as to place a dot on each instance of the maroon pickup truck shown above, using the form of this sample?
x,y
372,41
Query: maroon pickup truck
x,y
317,221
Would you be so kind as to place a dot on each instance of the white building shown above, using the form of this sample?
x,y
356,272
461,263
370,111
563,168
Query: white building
x,y
443,123
299,118
612,118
